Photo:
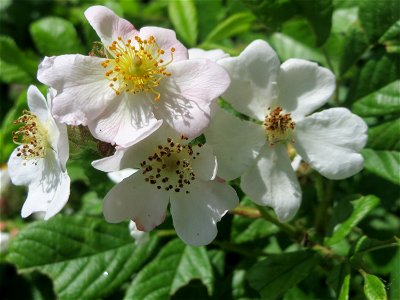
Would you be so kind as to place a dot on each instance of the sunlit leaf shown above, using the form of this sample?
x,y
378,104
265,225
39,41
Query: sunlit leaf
x,y
85,257
361,208
374,289
235,24
183,15
385,164
382,102
55,36
278,273
173,268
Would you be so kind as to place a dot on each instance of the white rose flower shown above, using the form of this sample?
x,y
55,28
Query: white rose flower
x,y
40,159
280,99
171,171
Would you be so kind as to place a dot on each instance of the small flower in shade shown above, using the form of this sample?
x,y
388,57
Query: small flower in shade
x,y
146,77
171,170
40,159
280,98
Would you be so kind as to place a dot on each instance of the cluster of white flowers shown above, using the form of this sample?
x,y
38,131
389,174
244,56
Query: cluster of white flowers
x,y
150,97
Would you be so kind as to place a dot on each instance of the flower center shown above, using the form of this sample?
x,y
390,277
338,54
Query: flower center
x,y
136,68
32,136
169,167
278,126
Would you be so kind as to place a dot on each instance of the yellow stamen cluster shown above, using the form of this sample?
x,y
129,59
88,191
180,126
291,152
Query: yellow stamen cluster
x,y
169,167
32,136
278,126
137,66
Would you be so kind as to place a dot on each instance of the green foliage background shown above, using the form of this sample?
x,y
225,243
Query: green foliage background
x,y
343,243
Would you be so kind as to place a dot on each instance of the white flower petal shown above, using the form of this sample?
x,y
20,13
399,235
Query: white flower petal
x,y
111,163
271,181
254,74
330,141
235,142
48,190
23,172
82,88
304,87
140,237
187,94
126,120
108,25
166,39
133,198
37,103
118,176
214,55
195,215
205,164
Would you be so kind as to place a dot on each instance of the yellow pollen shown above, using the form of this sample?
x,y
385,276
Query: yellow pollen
x,y
169,167
279,126
32,137
137,66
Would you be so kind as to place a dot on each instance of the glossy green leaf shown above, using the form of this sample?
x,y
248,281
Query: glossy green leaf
x,y
378,16
287,47
183,15
378,71
13,74
275,275
174,267
209,13
394,284
380,103
374,289
55,36
385,136
391,39
249,230
85,257
345,288
235,24
319,14
361,208
385,164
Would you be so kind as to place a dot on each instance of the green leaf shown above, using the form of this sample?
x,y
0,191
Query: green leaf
x,y
183,15
235,24
385,164
391,39
248,230
287,47
394,284
380,103
272,12
55,36
319,14
210,13
345,288
385,136
278,273
355,44
378,16
13,60
378,71
361,208
174,267
85,257
374,289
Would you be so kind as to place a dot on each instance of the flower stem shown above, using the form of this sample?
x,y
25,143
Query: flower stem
x,y
289,229
324,195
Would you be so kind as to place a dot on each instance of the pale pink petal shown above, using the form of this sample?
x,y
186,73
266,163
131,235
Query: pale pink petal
x,y
235,142
213,55
271,181
254,75
187,94
304,86
330,141
135,199
195,215
82,88
108,25
166,39
128,119
204,162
